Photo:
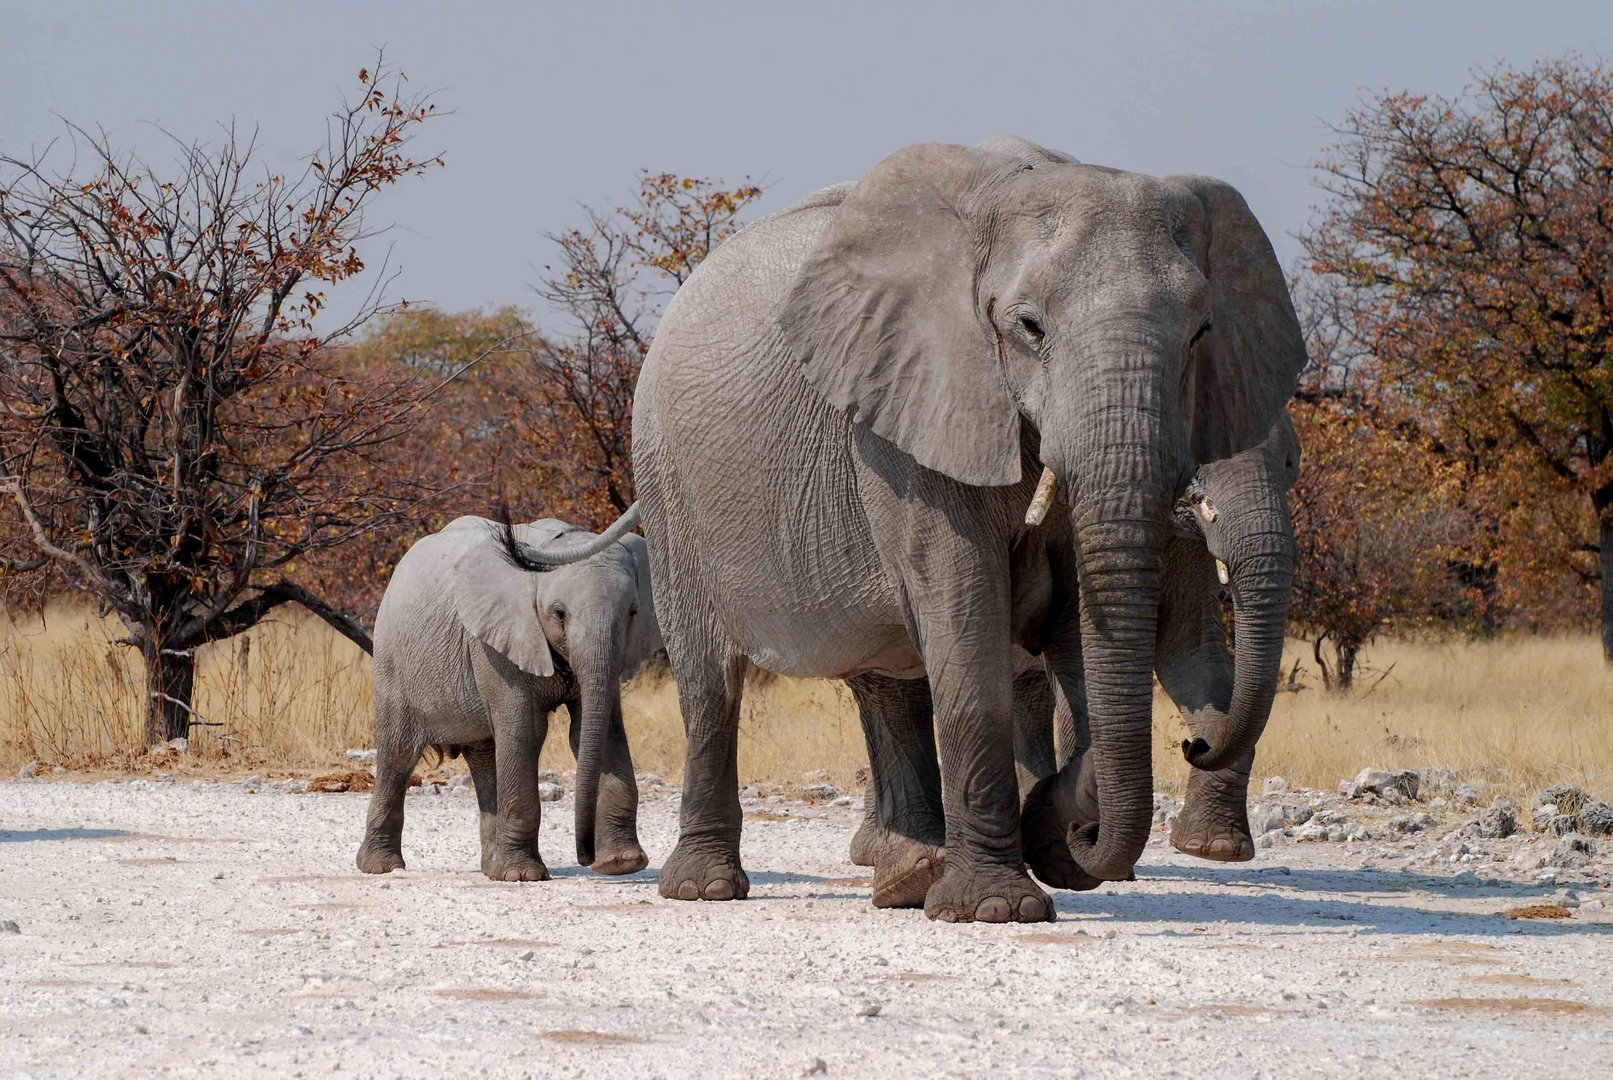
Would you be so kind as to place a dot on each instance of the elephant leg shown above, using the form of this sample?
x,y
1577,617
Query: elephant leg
x,y
1068,798
907,847
865,842
705,863
519,722
969,659
1195,668
396,752
616,846
484,775
1035,708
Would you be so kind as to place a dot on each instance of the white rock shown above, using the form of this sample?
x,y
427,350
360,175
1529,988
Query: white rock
x,y
820,792
548,792
846,800
1568,898
366,757
1265,818
28,771
9,926
179,745
1274,785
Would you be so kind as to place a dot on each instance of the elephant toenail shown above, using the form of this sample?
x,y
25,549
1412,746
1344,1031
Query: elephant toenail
x,y
688,891
992,909
721,889
1031,909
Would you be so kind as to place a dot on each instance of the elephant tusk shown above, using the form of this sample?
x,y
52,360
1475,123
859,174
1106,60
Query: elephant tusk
x,y
1037,511
1222,573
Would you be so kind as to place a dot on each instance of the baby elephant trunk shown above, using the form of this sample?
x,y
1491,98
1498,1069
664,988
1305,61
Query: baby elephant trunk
x,y
599,677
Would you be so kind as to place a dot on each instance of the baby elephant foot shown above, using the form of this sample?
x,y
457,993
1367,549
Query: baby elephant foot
x,y
905,870
994,894
1216,833
621,858
379,858
516,866
703,875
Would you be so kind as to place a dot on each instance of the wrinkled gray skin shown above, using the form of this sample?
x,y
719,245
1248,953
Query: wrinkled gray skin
x,y
836,435
474,651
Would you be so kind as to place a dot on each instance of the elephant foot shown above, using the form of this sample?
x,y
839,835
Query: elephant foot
x,y
993,894
1051,809
703,875
905,870
865,846
625,858
1217,833
516,866
379,858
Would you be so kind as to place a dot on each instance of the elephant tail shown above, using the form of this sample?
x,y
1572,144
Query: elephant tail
x,y
539,559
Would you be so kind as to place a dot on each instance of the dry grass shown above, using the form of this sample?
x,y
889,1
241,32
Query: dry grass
x,y
1520,713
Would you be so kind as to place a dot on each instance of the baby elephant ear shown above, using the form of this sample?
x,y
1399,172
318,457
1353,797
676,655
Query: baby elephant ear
x,y
1247,366
884,319
498,604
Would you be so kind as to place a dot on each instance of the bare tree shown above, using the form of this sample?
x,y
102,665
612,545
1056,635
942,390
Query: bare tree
x,y
175,432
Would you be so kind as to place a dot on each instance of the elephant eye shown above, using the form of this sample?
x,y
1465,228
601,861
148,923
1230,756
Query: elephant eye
x,y
558,613
1032,328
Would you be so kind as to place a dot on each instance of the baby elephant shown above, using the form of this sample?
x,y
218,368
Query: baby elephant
x,y
475,644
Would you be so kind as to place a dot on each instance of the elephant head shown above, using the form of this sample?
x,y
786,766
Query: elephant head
x,y
1239,504
595,615
968,304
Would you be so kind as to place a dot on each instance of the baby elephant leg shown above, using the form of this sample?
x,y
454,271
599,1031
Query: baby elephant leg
x,y
484,774
396,753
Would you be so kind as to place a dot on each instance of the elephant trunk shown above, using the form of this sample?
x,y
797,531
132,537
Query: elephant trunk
x,y
1120,586
1261,558
598,671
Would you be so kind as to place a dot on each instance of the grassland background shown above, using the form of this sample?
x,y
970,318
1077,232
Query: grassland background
x,y
292,696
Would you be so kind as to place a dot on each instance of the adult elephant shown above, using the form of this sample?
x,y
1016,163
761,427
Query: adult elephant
x,y
837,433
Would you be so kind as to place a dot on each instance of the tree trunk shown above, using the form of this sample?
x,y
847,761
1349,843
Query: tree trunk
x,y
170,684
1605,556
1344,677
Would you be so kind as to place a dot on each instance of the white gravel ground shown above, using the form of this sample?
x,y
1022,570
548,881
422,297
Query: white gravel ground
x,y
201,929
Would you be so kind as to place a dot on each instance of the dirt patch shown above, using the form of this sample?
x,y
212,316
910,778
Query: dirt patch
x,y
156,860
1053,937
770,815
355,780
1444,952
272,931
487,993
1518,980
914,977
621,905
849,882
1502,1006
577,1036
501,943
1539,911
160,838
63,984
292,879
330,905
155,964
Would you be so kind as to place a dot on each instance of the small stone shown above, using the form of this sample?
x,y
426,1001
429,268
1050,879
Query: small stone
x,y
870,1009
1540,817
846,800
366,757
1568,898
1274,785
1504,802
29,771
1436,781
1336,833
1562,824
219,876
179,745
815,1067
1572,852
550,792
1497,823
816,776
1266,817
529,954
649,779
1596,819
9,926
1566,798
819,792
1268,839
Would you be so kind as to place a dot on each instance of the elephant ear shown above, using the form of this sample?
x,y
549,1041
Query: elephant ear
x,y
498,604
884,319
1249,363
644,639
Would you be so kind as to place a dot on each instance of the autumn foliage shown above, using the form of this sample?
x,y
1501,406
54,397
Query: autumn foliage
x,y
1468,243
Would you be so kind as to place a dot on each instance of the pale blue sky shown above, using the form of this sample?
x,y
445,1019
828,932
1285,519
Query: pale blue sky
x,y
557,104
